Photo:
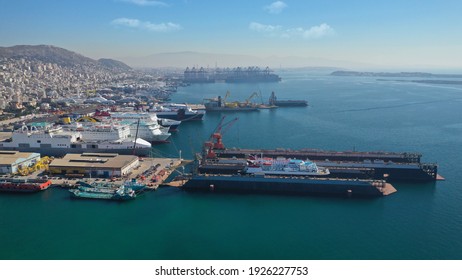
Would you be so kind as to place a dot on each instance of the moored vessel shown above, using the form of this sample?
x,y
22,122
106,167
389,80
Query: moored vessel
x,y
95,191
283,166
55,141
273,101
24,185
178,112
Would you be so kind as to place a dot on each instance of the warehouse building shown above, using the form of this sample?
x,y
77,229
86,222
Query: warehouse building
x,y
11,161
94,165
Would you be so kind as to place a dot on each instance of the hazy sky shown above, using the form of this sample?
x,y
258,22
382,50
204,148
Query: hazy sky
x,y
383,32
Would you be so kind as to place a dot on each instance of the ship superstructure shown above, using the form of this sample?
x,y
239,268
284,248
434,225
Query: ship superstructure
x,y
55,141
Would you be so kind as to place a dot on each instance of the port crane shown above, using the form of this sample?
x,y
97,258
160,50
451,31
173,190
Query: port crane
x,y
247,101
215,139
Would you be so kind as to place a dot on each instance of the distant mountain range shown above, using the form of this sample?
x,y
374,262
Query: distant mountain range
x,y
60,56
190,59
66,58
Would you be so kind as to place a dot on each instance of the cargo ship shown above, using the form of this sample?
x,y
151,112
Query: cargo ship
x,y
236,75
177,112
273,101
24,185
218,105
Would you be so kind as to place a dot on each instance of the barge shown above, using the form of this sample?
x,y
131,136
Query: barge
x,y
273,101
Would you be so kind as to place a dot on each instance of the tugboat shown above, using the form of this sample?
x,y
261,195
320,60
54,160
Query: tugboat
x,y
134,185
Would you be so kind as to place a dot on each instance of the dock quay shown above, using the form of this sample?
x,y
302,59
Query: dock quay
x,y
151,171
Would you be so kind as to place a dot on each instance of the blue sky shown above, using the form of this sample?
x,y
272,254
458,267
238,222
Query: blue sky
x,y
404,33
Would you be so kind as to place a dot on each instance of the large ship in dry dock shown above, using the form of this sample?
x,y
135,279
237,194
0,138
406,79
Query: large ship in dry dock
x,y
266,175
390,166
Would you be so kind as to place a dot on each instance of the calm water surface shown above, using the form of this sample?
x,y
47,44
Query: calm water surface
x,y
420,221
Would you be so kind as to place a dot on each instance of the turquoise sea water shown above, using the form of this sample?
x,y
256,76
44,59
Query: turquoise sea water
x,y
420,221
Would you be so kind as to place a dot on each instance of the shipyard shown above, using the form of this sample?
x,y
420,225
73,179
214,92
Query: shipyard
x,y
154,153
216,168
258,138
116,144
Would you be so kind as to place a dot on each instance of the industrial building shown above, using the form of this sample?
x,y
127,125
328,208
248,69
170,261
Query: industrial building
x,y
94,165
12,161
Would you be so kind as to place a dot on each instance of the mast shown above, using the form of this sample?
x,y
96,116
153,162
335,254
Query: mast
x,y
136,136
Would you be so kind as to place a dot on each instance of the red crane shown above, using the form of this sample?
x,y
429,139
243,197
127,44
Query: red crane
x,y
215,140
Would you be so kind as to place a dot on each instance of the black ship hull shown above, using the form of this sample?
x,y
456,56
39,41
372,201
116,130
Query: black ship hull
x,y
284,185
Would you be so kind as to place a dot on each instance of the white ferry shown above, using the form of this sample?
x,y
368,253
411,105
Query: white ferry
x,y
55,141
172,125
148,127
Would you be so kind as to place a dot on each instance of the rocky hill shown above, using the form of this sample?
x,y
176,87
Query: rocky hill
x,y
113,64
59,56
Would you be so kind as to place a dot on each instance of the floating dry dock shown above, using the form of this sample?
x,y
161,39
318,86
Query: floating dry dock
x,y
319,155
384,165
288,185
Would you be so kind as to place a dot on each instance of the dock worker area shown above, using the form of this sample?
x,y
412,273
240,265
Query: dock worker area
x,y
112,167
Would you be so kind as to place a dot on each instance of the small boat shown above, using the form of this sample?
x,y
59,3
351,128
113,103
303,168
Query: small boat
x,y
103,192
134,185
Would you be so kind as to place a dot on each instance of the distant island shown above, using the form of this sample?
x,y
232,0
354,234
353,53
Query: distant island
x,y
398,74
430,78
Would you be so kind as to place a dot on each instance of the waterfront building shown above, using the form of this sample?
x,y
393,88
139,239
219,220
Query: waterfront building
x,y
94,165
11,161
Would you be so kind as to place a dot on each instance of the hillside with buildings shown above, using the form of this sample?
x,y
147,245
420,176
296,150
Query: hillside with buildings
x,y
30,75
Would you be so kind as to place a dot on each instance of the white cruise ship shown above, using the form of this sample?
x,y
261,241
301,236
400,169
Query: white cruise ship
x,y
172,125
148,127
100,131
55,141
